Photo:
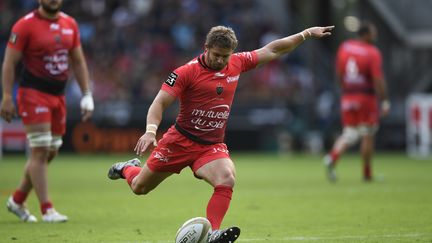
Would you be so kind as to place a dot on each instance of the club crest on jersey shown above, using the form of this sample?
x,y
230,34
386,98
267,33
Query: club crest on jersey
x,y
171,79
57,38
219,90
13,38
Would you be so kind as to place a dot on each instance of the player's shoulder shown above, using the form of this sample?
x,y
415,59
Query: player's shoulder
x,y
192,63
24,23
190,66
28,17
349,43
239,59
67,17
243,55
358,47
374,49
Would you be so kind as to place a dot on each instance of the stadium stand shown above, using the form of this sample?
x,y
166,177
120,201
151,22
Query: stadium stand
x,y
132,45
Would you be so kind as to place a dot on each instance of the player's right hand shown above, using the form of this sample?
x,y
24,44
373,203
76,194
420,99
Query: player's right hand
x,y
385,108
319,32
146,140
87,106
8,110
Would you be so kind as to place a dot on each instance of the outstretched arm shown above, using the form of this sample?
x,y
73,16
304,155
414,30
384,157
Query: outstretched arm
x,y
279,47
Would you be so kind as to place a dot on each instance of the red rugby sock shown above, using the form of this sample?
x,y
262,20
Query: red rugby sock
x,y
19,196
45,206
367,171
218,205
334,156
130,172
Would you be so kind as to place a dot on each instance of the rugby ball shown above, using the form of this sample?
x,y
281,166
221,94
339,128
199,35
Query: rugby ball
x,y
195,230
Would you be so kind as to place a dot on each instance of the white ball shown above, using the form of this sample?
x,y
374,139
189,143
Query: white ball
x,y
195,230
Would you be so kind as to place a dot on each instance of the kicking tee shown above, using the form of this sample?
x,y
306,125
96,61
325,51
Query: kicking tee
x,y
206,95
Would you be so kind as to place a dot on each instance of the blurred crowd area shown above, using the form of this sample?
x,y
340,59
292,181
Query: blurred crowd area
x,y
131,46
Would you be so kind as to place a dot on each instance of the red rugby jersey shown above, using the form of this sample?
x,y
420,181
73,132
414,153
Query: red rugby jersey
x,y
358,64
206,95
45,44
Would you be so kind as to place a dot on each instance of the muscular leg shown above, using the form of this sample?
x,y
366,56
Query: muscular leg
x,y
348,138
52,154
220,174
32,167
36,176
339,147
37,165
145,181
26,184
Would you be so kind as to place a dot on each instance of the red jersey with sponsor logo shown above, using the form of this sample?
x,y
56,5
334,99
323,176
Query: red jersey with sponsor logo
x,y
358,64
206,95
45,44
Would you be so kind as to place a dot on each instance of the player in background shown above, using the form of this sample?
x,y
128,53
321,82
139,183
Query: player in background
x,y
205,87
360,75
45,40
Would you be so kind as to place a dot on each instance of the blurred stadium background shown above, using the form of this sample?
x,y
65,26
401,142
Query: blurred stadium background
x,y
289,105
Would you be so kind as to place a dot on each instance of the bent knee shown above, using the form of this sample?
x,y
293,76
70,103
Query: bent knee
x,y
39,155
140,190
350,135
52,154
227,179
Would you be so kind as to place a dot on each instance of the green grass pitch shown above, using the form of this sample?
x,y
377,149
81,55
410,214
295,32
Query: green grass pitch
x,y
277,198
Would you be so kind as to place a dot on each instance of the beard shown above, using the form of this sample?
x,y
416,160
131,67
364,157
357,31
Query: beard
x,y
51,8
217,67
214,65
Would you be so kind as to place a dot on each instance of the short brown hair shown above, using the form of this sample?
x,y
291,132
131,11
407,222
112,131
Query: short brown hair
x,y
221,36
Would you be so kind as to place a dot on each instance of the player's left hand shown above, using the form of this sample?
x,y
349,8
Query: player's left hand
x,y
318,32
147,140
87,106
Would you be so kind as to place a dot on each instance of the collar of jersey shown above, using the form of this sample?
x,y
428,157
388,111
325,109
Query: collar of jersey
x,y
201,60
37,14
